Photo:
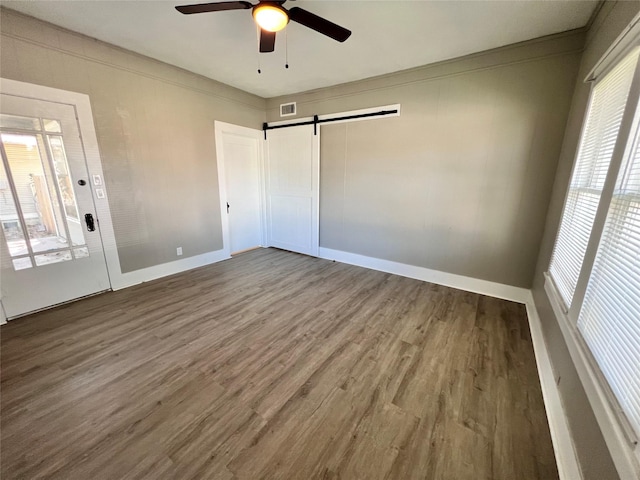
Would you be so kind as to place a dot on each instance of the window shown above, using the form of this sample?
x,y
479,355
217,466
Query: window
x,y
609,319
594,273
602,125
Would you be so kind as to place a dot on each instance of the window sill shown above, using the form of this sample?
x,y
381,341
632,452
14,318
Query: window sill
x,y
625,455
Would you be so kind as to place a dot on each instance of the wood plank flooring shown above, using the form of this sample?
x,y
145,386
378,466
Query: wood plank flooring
x,y
274,365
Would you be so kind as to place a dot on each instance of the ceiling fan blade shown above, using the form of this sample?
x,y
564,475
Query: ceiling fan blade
x,y
267,41
213,7
319,24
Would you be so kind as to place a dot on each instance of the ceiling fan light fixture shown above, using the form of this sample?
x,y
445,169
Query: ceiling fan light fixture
x,y
270,17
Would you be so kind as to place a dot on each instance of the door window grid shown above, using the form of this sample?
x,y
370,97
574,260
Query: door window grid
x,y
52,217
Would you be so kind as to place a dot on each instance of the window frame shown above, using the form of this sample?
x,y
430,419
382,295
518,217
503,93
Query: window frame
x,y
622,440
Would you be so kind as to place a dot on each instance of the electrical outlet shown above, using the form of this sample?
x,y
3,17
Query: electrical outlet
x,y
179,251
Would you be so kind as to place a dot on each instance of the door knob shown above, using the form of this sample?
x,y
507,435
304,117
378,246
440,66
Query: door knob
x,y
88,218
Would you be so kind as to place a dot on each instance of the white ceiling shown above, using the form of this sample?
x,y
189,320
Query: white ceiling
x,y
387,35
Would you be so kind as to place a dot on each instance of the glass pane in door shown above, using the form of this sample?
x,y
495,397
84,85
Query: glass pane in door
x,y
22,263
45,230
61,170
65,187
16,121
51,125
11,225
53,257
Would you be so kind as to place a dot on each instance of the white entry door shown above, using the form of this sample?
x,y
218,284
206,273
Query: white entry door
x,y
243,188
51,247
292,168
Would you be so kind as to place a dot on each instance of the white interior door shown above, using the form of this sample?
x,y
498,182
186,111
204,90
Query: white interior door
x,y
292,167
50,253
243,185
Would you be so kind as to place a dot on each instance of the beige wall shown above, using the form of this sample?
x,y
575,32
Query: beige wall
x,y
592,451
155,127
460,182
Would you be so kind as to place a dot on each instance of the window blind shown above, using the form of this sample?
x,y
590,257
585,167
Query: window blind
x,y
606,107
610,316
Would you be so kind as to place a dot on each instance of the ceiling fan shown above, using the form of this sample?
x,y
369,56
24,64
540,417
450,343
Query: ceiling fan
x,y
272,17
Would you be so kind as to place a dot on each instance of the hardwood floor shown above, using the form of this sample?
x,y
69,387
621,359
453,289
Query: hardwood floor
x,y
274,365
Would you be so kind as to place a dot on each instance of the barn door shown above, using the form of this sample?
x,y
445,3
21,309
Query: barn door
x,y
292,168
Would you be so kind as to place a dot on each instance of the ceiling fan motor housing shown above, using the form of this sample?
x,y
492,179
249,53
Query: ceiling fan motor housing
x,y
270,16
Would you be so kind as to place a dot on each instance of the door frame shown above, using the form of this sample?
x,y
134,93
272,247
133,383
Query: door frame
x,y
82,106
220,129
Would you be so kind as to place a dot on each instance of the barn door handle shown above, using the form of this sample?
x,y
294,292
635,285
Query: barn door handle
x,y
227,207
88,218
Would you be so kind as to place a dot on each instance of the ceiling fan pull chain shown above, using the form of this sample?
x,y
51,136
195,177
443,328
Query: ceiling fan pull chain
x,y
258,41
286,48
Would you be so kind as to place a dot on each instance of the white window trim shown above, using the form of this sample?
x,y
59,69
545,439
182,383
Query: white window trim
x,y
625,457
616,51
622,442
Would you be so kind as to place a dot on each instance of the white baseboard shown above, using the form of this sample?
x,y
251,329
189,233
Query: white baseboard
x,y
129,279
563,446
483,287
3,317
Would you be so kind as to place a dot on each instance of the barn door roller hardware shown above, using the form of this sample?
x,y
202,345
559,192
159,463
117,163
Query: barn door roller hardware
x,y
316,121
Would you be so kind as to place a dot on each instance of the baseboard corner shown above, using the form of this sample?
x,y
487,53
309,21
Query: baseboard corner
x,y
461,282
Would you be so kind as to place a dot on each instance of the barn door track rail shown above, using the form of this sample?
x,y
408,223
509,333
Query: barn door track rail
x,y
316,120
